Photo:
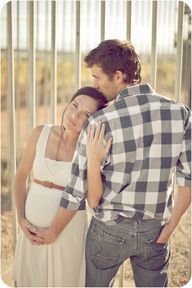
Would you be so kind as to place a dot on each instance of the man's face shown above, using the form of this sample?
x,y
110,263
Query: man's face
x,y
110,88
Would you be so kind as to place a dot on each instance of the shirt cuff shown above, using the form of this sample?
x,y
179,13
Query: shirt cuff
x,y
183,180
72,205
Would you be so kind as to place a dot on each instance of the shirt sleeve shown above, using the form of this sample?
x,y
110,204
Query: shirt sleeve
x,y
183,169
75,192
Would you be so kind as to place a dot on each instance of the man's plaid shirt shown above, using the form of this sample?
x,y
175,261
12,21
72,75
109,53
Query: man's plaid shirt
x,y
151,139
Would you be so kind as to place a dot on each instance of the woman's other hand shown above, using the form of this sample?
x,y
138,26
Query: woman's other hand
x,y
48,235
96,149
30,232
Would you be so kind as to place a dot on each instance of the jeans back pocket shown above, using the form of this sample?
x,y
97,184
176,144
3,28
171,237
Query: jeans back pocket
x,y
104,247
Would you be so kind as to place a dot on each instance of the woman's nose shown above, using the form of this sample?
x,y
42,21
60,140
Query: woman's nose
x,y
75,115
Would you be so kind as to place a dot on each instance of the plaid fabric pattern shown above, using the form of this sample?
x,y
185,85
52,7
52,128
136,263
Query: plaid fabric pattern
x,y
151,139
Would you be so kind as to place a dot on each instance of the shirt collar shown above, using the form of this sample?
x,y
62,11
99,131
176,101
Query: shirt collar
x,y
135,90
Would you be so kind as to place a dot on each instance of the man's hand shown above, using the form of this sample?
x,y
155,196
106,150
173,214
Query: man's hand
x,y
182,202
165,234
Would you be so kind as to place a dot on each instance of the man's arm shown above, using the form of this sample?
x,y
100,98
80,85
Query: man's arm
x,y
183,177
183,200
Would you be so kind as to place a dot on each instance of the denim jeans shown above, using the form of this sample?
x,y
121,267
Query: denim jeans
x,y
108,246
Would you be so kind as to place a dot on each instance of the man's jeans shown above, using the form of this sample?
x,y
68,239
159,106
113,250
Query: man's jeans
x,y
108,246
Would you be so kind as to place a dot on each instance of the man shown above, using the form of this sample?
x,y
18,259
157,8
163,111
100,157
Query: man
x,y
151,139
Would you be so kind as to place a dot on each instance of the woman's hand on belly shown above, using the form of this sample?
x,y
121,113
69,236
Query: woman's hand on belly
x,y
48,235
30,232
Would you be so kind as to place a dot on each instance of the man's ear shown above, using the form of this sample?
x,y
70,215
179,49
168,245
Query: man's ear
x,y
119,76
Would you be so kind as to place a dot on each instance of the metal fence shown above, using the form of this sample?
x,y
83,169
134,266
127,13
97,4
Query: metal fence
x,y
103,9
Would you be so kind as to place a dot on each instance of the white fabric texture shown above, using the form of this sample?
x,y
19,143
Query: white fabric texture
x,y
61,264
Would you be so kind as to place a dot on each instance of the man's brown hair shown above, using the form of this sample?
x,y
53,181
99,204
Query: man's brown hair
x,y
113,55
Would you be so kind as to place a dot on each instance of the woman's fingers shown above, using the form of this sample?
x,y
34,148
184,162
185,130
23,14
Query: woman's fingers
x,y
102,132
91,133
29,226
108,145
35,239
96,132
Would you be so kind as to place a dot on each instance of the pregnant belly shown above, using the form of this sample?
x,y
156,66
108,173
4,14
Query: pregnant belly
x,y
41,205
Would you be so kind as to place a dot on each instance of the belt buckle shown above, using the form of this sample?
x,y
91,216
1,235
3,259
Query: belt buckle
x,y
48,184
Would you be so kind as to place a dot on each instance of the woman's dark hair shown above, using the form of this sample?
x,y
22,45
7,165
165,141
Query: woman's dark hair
x,y
91,92
113,55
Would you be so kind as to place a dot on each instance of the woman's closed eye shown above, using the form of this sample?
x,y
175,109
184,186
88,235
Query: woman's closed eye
x,y
75,104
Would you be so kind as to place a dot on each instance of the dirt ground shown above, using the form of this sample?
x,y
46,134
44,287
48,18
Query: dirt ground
x,y
180,263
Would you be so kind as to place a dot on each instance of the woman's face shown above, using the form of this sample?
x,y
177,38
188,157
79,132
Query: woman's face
x,y
78,111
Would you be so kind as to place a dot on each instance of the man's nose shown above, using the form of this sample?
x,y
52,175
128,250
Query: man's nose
x,y
95,84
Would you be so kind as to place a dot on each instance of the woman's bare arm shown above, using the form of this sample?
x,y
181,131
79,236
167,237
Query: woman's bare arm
x,y
20,181
96,151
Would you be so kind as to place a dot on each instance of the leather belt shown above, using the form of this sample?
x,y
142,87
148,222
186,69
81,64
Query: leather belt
x,y
48,184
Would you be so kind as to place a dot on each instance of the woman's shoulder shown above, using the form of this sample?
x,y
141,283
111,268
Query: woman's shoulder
x,y
38,130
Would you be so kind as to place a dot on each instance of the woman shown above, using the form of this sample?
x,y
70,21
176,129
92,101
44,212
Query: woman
x,y
49,154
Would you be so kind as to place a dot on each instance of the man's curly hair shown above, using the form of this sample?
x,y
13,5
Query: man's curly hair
x,y
112,55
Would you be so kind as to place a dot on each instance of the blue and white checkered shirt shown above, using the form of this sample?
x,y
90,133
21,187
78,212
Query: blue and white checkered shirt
x,y
151,139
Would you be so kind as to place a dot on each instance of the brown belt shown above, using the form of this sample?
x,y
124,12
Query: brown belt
x,y
48,184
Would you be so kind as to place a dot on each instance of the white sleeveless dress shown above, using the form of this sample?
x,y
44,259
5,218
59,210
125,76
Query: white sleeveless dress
x,y
61,264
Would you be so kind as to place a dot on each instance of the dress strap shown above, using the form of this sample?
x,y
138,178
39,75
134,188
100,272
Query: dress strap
x,y
43,137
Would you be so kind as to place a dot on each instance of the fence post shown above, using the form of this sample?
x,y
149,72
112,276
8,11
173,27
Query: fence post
x,y
102,20
154,45
179,53
78,45
11,114
53,64
129,10
32,71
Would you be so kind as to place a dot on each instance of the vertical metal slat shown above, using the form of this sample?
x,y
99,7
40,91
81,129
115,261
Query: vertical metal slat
x,y
154,45
129,8
46,60
179,54
103,20
38,55
78,46
17,88
53,64
11,112
32,99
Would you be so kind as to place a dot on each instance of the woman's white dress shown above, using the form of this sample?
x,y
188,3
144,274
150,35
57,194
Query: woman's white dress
x,y
61,264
